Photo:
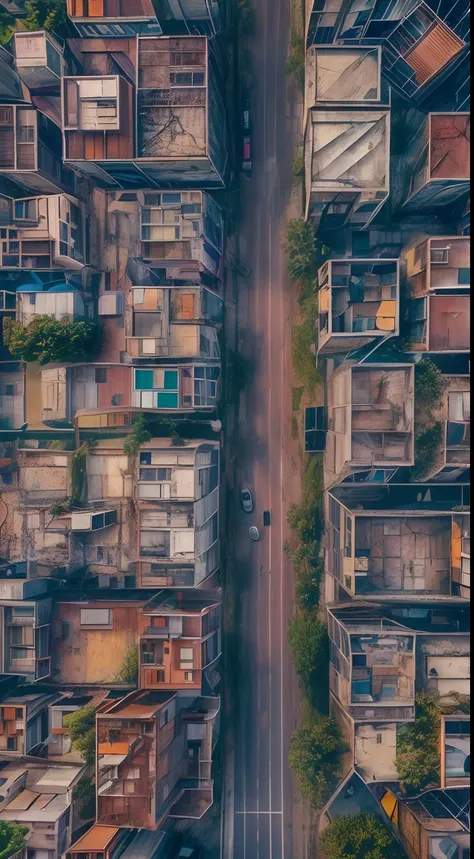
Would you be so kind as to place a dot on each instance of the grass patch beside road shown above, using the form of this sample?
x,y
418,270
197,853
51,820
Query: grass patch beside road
x,y
296,397
295,64
303,342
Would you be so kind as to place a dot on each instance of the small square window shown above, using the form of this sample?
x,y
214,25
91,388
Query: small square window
x,y
145,457
464,276
188,676
100,375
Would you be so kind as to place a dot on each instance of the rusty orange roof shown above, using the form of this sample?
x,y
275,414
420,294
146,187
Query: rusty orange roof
x,y
96,838
432,52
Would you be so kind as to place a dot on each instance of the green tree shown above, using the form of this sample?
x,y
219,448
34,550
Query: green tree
x,y
47,15
359,836
7,25
315,756
308,639
417,760
84,794
429,384
81,727
12,838
48,340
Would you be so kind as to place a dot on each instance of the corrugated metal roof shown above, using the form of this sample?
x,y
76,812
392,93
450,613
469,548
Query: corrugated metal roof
x,y
96,839
438,47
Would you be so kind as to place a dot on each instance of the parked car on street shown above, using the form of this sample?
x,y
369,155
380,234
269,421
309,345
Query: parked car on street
x,y
247,138
247,156
266,518
246,500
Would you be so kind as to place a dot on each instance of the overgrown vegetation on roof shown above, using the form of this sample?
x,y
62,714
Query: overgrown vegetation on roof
x,y
128,671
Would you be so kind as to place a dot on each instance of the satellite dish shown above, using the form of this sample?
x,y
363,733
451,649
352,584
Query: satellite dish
x,y
216,426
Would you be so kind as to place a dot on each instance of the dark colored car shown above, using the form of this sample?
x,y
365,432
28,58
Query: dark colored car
x,y
266,518
247,138
247,156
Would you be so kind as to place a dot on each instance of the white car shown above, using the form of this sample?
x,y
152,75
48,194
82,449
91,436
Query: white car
x,y
254,533
246,500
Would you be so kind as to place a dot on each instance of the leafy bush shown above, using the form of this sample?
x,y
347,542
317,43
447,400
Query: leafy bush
x,y
12,838
81,727
309,643
300,249
429,384
47,340
60,507
417,759
315,757
138,436
308,570
359,836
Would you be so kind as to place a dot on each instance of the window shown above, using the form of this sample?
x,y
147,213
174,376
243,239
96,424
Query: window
x,y
379,739
187,79
96,617
185,653
115,736
23,611
155,474
145,457
100,375
188,676
19,653
439,255
348,536
11,744
464,276
18,713
148,728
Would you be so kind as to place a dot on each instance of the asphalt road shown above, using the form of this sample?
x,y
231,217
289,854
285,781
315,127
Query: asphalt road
x,y
266,463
